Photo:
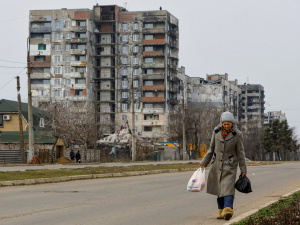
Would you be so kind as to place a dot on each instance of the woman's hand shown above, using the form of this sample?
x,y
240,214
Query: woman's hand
x,y
200,165
244,174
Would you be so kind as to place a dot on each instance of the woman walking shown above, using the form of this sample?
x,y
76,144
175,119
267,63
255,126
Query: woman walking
x,y
226,153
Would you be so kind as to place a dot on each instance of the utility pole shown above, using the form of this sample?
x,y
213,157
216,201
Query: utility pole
x,y
30,117
96,120
133,148
20,121
183,127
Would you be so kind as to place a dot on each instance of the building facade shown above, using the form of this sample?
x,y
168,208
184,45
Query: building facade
x,y
274,115
123,62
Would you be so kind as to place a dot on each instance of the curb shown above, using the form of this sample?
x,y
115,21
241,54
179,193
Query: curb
x,y
247,214
89,176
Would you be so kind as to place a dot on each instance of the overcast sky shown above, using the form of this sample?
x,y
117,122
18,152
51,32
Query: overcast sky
x,y
257,40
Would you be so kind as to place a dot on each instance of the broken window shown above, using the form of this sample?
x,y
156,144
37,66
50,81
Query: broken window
x,y
81,23
80,58
80,35
42,47
147,128
39,58
79,92
149,71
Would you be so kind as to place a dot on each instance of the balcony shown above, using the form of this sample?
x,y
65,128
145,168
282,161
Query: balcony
x,y
173,101
77,75
79,29
152,123
78,63
174,33
40,29
153,30
76,98
153,110
153,53
79,40
153,99
159,87
153,76
40,76
155,42
78,51
153,65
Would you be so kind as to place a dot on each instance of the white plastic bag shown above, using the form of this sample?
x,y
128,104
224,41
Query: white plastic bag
x,y
197,181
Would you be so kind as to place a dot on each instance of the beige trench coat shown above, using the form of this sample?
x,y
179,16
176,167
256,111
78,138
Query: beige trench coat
x,y
225,156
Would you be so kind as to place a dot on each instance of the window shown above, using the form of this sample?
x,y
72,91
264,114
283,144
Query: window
x,y
68,24
148,60
135,61
148,82
124,83
124,60
135,26
148,94
68,47
68,35
136,49
81,23
68,69
79,92
82,47
80,58
149,25
125,26
135,37
57,58
125,38
80,35
136,72
149,71
136,83
80,69
57,24
68,59
42,122
67,93
149,37
42,47
148,48
124,94
57,36
147,128
148,106
57,70
124,106
47,36
125,72
42,92
57,93
125,49
136,117
47,70
136,106
1,120
79,81
124,118
56,81
68,82
40,81
57,47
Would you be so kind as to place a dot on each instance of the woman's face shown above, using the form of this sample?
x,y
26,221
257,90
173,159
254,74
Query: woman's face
x,y
227,125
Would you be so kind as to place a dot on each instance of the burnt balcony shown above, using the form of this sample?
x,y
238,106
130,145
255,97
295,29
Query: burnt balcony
x,y
159,87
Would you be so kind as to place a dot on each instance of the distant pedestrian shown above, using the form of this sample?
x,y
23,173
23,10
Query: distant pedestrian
x,y
72,155
227,152
78,157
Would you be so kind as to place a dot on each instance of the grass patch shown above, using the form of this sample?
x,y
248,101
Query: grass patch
x,y
284,211
44,173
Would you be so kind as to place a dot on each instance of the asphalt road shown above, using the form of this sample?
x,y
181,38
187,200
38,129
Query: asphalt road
x,y
143,200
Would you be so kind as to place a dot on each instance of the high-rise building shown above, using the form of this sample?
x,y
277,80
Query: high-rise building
x,y
123,61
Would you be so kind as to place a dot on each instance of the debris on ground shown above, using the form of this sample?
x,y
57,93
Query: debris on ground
x,y
35,160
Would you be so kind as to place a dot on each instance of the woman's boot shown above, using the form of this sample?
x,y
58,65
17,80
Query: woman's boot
x,y
220,216
227,213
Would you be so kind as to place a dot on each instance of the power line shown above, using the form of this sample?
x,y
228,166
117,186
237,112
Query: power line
x,y
11,61
12,79
5,21
13,66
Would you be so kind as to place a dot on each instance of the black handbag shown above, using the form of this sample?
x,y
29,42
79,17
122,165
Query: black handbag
x,y
243,185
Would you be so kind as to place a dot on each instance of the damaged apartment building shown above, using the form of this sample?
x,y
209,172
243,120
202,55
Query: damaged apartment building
x,y
216,91
118,59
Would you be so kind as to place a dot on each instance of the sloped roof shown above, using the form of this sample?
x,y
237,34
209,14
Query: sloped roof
x,y
9,106
12,137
